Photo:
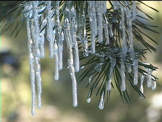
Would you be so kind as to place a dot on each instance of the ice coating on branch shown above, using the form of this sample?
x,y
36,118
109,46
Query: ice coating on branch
x,y
90,79
141,83
41,35
123,87
149,73
135,69
101,102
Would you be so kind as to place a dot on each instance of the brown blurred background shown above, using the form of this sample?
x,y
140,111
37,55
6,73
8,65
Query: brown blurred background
x,y
57,98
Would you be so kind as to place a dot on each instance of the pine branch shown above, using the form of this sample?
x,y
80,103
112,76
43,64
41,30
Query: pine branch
x,y
105,40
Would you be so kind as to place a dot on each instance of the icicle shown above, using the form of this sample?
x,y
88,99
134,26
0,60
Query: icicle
x,y
103,6
60,50
28,14
111,32
122,26
153,85
123,87
115,5
109,85
129,69
73,33
149,73
42,53
31,62
50,35
93,44
36,27
93,24
74,83
92,17
141,85
85,47
60,41
134,11
135,69
70,62
88,100
57,14
56,61
39,81
106,32
101,103
85,42
112,64
32,78
130,34
99,21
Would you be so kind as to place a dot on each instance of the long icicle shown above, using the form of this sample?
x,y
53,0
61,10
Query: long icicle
x,y
75,44
31,60
99,21
37,40
71,62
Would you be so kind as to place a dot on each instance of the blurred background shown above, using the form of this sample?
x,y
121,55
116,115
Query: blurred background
x,y
57,95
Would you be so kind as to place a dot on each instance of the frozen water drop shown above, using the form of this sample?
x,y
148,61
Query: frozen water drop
x,y
101,103
88,100
153,85
90,79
